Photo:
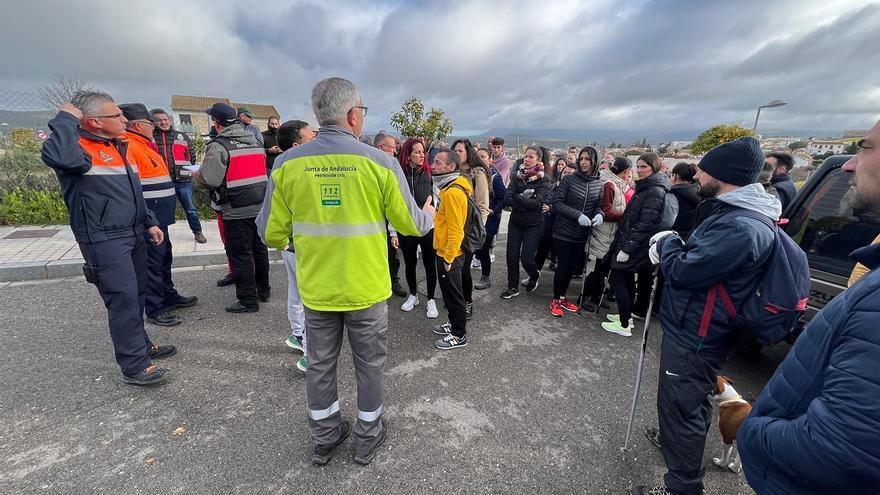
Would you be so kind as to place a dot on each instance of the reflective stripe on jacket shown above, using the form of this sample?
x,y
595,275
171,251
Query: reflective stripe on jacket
x,y
245,182
101,190
334,194
155,180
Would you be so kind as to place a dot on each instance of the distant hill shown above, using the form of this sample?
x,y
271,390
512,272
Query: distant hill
x,y
37,120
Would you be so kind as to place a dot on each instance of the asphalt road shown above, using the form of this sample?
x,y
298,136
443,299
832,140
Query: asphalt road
x,y
535,404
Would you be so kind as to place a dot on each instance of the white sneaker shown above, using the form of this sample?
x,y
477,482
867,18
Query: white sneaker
x,y
524,282
492,257
475,263
432,309
411,302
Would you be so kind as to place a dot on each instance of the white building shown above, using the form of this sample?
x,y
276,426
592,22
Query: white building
x,y
820,147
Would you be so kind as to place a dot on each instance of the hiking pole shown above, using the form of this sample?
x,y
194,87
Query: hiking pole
x,y
580,300
639,365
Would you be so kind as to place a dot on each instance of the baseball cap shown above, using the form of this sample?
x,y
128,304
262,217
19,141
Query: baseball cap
x,y
223,113
136,111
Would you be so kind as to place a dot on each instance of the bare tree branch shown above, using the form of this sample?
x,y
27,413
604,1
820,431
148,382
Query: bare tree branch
x,y
62,90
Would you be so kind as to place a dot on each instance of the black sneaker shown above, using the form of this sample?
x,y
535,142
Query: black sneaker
x,y
532,285
451,342
469,310
590,306
653,434
165,319
182,302
443,329
365,459
484,283
323,453
238,307
509,293
161,351
398,289
227,280
153,375
265,296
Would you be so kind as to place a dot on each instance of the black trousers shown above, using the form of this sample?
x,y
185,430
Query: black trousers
x,y
453,295
522,242
546,246
393,261
568,254
409,245
643,292
249,258
160,288
483,254
624,286
684,407
120,268
467,281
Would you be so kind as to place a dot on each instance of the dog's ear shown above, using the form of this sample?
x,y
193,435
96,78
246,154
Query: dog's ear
x,y
726,379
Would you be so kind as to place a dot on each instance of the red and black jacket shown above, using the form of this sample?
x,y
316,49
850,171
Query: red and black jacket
x,y
177,149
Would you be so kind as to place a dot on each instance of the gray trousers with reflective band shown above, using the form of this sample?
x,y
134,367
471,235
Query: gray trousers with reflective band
x,y
368,337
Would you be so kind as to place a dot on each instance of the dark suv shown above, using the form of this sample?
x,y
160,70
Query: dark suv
x,y
824,224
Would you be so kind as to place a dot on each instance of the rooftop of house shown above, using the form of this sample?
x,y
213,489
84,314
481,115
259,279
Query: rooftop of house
x,y
183,103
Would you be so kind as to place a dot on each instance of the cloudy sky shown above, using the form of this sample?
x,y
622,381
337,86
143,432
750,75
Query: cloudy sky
x,y
567,64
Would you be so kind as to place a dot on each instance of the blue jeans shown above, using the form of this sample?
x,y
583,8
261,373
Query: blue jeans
x,y
184,192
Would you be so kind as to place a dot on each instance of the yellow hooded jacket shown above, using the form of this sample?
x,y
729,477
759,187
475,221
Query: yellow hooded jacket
x,y
451,217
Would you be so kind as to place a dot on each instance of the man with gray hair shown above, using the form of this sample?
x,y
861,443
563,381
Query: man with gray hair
x,y
342,261
108,217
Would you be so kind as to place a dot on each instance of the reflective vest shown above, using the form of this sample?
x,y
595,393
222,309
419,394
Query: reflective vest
x,y
156,182
245,181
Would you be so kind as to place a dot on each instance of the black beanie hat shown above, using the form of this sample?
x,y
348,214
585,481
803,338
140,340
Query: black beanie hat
x,y
737,162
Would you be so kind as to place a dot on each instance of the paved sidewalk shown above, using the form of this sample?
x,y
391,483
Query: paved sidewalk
x,y
36,252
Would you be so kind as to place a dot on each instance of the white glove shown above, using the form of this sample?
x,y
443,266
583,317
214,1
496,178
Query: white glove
x,y
598,220
583,220
622,257
528,193
660,235
653,254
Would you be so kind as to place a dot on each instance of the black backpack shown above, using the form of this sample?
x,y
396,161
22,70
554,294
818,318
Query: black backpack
x,y
474,230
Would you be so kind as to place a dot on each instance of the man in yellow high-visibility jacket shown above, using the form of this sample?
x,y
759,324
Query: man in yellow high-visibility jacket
x,y
333,196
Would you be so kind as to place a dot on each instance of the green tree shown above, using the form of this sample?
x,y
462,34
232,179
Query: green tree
x,y
719,134
797,145
852,149
412,121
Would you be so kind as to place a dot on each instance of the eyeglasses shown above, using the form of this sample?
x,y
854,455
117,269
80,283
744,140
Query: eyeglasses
x,y
114,116
363,109
148,122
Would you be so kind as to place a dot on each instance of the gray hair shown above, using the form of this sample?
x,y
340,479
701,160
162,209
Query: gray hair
x,y
88,101
332,99
380,136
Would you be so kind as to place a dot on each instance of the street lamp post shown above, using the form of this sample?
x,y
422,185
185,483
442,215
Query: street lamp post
x,y
772,104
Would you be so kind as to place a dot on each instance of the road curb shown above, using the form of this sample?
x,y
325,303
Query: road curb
x,y
44,270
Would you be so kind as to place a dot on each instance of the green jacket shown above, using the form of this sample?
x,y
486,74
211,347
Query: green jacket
x,y
334,194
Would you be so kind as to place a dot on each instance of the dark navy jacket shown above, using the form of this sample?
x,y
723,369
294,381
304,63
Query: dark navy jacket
x,y
496,203
102,206
815,428
785,187
729,250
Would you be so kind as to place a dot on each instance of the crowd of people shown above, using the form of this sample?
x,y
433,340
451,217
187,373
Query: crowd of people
x,y
342,211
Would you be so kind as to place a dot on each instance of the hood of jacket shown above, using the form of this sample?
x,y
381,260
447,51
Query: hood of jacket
x,y
609,176
753,197
239,133
594,157
688,192
658,179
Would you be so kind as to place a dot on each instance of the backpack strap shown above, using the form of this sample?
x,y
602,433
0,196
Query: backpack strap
x,y
717,289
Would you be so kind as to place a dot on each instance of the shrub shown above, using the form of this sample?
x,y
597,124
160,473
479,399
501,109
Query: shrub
x,y
27,206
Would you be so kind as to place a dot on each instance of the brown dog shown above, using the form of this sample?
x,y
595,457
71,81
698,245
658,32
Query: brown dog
x,y
732,410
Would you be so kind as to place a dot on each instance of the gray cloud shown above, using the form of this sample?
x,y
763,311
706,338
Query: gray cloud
x,y
652,65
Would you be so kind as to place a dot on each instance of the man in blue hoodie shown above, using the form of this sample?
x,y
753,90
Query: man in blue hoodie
x,y
814,428
729,248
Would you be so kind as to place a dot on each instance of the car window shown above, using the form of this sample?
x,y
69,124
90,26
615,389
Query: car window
x,y
827,227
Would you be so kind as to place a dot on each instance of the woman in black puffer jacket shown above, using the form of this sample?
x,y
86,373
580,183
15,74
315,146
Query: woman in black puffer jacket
x,y
526,194
577,203
687,191
630,253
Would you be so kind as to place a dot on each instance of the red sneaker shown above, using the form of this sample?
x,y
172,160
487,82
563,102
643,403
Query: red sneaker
x,y
556,308
568,305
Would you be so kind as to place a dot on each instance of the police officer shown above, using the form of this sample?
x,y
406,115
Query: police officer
x,y
108,217
159,195
342,266
234,170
